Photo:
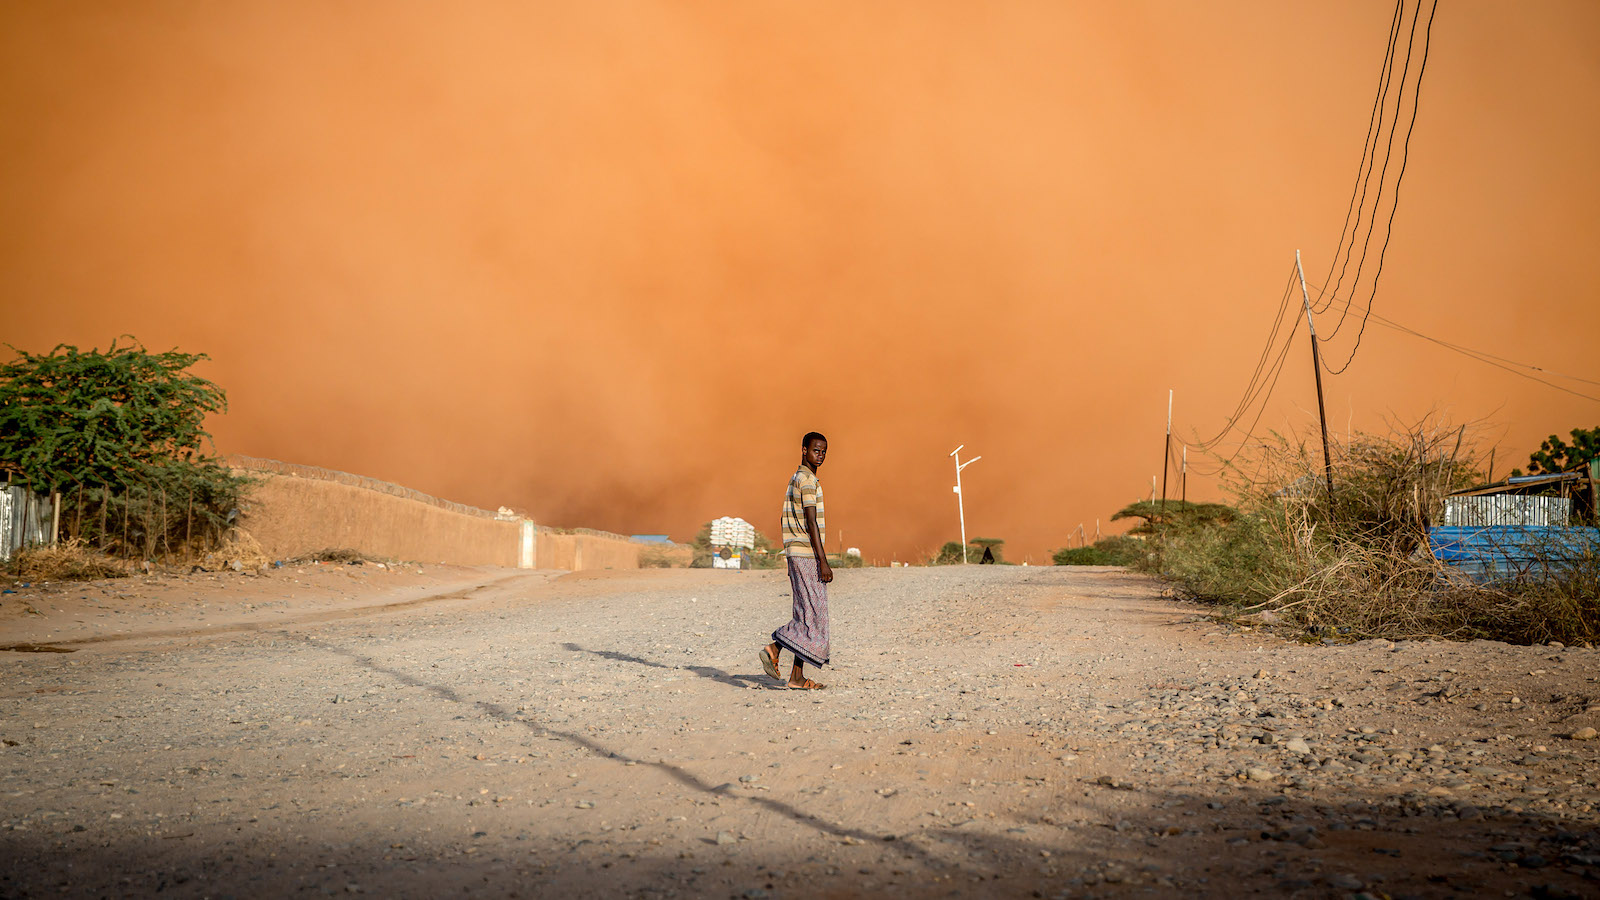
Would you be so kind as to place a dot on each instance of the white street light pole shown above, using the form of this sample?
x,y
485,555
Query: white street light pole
x,y
961,506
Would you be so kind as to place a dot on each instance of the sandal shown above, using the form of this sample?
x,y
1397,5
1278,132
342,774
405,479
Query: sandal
x,y
769,662
807,685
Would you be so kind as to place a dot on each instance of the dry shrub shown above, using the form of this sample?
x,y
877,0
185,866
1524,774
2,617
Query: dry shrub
x,y
665,556
66,561
239,552
346,555
1366,593
1356,564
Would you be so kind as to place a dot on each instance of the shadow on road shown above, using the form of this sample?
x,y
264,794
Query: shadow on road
x,y
677,773
711,672
1084,838
1169,844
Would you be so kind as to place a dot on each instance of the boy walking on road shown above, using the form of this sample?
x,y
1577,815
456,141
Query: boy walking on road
x,y
806,635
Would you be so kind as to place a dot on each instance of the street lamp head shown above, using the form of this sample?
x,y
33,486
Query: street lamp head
x,y
956,450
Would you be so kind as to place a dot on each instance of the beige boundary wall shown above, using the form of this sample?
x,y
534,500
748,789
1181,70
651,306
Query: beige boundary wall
x,y
295,511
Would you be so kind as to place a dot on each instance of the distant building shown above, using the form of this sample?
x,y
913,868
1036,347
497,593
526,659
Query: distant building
x,y
1538,500
1519,529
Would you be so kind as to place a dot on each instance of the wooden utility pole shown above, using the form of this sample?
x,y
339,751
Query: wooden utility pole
x,y
1316,366
1183,479
1166,457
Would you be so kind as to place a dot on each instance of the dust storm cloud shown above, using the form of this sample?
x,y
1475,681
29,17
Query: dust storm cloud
x,y
606,262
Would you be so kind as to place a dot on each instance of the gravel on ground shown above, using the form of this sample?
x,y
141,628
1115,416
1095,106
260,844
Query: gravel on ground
x,y
987,731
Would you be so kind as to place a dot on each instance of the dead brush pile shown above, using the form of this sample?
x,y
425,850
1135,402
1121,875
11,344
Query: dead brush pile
x,y
1357,565
238,552
345,555
65,561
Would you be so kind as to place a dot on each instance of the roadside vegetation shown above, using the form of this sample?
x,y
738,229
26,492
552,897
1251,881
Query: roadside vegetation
x,y
68,560
1356,564
1116,550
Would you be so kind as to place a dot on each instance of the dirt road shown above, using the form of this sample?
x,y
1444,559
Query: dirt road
x,y
988,731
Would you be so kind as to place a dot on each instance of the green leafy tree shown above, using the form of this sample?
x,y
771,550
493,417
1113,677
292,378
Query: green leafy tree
x,y
1178,513
1116,550
950,553
1555,455
70,417
993,545
122,431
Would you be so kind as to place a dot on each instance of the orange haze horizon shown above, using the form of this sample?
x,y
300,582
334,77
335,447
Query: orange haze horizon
x,y
607,263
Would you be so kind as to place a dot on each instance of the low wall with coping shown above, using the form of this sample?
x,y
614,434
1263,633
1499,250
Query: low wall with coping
x,y
295,511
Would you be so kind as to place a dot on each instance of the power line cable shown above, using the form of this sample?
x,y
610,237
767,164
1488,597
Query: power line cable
x,y
1252,389
1253,386
1405,155
1483,356
1250,434
1368,145
1383,173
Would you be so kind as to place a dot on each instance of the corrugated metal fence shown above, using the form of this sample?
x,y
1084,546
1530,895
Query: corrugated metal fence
x,y
25,519
1506,509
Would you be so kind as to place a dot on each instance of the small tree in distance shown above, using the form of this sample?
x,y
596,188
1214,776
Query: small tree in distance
x,y
1555,455
1114,550
980,544
950,553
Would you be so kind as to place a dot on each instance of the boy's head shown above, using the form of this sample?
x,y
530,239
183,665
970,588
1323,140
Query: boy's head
x,y
813,450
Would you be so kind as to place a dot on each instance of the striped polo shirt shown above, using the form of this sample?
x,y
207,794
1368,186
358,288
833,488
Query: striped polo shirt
x,y
804,490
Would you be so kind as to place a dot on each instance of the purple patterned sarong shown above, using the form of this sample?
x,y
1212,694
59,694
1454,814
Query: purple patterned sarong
x,y
806,635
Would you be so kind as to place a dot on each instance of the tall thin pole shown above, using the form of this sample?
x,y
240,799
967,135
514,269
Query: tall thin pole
x,y
1183,479
961,505
1316,365
1166,457
961,509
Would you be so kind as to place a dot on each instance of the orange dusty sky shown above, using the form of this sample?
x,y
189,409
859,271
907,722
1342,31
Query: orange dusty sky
x,y
607,261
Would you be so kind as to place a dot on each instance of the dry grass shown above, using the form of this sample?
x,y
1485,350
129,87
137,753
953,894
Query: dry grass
x,y
1364,594
1357,565
345,555
66,561
239,552
665,556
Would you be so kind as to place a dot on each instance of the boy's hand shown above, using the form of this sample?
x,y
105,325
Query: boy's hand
x,y
824,571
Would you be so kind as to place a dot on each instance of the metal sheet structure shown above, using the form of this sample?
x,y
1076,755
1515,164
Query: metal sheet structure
x,y
25,519
1513,552
1506,509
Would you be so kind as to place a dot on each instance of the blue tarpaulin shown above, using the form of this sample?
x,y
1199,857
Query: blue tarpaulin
x,y
1512,552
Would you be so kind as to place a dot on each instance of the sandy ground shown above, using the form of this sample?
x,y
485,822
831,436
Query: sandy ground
x,y
988,731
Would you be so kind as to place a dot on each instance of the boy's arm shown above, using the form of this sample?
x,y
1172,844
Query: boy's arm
x,y
824,571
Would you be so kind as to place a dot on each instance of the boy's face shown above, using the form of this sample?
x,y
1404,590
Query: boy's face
x,y
814,453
